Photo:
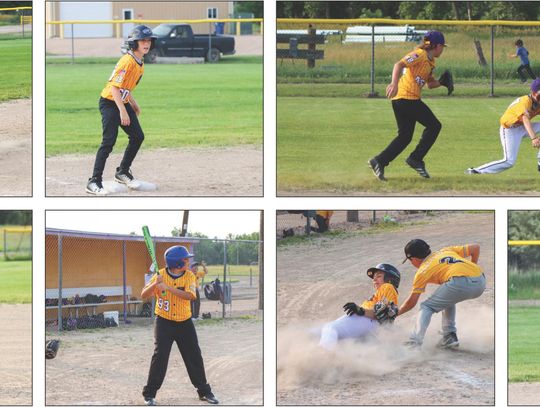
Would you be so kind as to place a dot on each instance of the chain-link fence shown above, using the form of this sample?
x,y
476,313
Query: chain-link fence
x,y
364,51
291,223
17,244
16,22
95,280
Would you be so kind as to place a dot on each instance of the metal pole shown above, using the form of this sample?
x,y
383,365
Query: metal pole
x,y
372,73
250,276
124,279
209,40
60,282
224,275
5,244
492,61
72,44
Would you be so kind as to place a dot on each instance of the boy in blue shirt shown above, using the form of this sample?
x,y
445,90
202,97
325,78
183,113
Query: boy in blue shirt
x,y
523,54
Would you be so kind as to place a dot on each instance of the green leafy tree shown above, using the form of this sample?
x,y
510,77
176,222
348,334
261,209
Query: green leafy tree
x,y
524,225
255,7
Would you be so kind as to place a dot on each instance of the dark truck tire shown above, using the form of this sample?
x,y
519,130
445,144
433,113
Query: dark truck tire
x,y
151,57
213,55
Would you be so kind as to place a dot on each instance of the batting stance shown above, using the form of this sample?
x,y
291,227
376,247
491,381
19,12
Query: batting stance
x,y
174,324
515,126
459,279
364,319
119,108
404,90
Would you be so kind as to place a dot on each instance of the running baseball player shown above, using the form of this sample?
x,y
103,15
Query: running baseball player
x,y
515,126
362,320
174,324
119,109
404,90
523,55
459,279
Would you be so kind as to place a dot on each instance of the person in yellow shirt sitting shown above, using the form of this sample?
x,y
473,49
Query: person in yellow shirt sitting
x,y
459,279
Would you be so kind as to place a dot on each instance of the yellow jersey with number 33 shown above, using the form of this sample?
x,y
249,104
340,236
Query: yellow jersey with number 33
x,y
442,265
170,306
524,105
417,72
126,75
386,293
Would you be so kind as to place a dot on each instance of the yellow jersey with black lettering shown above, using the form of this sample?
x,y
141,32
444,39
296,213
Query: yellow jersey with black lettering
x,y
126,75
442,265
417,72
524,105
170,306
386,293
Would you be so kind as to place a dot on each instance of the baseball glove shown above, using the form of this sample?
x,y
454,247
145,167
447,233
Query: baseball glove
x,y
447,80
385,312
51,348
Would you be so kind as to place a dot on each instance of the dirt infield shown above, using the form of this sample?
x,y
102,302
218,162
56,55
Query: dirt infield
x,y
523,394
16,148
110,366
16,362
234,171
315,279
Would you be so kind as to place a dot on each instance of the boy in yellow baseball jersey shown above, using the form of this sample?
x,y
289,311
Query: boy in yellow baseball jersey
x,y
361,320
199,274
174,324
409,76
515,126
119,109
459,279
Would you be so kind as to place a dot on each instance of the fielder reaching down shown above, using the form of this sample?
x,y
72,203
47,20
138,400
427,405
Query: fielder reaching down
x,y
174,324
459,279
363,320
515,126
119,109
409,76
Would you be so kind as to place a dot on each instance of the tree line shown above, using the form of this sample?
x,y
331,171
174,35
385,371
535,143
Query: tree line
x,y
524,225
212,251
417,10
23,218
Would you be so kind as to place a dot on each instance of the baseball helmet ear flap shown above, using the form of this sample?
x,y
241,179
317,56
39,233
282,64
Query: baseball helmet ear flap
x,y
391,274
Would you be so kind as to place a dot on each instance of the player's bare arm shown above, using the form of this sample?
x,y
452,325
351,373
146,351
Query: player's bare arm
x,y
409,303
474,249
391,90
148,290
124,116
530,131
433,83
134,105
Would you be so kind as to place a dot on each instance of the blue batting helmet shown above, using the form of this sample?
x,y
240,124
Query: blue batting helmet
x,y
391,274
175,255
140,32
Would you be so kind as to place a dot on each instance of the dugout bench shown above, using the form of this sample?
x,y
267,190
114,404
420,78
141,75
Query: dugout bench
x,y
111,292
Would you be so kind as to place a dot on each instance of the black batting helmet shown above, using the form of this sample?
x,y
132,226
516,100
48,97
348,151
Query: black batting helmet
x,y
140,32
391,274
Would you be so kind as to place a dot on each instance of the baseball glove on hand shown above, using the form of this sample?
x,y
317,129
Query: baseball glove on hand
x,y
51,348
352,309
385,312
447,80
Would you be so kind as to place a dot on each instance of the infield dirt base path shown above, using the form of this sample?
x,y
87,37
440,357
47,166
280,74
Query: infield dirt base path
x,y
16,360
110,366
524,394
233,171
16,148
314,281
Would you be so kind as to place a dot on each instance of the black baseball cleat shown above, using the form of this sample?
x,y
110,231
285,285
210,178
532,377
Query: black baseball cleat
x,y
418,166
95,187
150,401
449,341
377,169
472,171
125,177
209,398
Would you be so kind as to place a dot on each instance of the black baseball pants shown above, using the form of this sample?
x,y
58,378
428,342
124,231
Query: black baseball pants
x,y
407,113
196,304
527,68
183,333
110,119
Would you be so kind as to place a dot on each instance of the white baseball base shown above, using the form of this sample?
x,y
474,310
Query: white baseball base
x,y
113,187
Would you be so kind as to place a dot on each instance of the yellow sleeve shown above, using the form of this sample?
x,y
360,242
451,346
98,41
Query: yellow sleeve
x,y
119,73
420,281
462,251
191,285
387,293
412,58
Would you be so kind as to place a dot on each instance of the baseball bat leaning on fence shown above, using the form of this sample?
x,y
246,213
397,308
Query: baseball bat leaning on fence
x,y
151,251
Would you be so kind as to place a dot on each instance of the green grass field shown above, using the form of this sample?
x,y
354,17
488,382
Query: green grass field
x,y
324,143
523,353
198,105
234,270
16,68
524,286
16,282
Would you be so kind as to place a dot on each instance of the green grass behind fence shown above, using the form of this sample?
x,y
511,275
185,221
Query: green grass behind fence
x,y
15,282
524,286
196,105
324,144
523,350
16,68
233,270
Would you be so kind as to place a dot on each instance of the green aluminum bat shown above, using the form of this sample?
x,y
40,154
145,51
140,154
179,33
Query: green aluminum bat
x,y
151,251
